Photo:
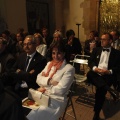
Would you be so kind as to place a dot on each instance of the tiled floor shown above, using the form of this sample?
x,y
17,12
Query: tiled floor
x,y
83,104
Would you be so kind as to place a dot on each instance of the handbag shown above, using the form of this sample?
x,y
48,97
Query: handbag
x,y
38,97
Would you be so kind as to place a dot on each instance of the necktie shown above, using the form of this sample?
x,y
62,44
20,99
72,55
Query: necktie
x,y
105,49
27,61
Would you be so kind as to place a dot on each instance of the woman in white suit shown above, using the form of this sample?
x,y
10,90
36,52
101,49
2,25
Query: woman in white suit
x,y
55,80
41,47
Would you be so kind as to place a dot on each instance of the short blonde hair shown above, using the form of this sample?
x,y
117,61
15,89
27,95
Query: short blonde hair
x,y
39,37
59,33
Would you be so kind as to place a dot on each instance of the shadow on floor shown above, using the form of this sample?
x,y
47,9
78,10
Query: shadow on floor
x,y
111,109
84,96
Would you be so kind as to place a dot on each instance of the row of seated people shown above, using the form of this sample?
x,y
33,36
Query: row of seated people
x,y
15,42
23,76
94,41
53,78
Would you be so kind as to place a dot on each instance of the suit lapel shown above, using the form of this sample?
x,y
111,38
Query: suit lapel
x,y
33,61
111,60
99,55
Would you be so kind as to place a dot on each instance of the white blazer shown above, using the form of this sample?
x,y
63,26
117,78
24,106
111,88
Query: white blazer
x,y
58,93
42,49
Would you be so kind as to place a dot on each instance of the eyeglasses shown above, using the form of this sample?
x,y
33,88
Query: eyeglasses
x,y
28,44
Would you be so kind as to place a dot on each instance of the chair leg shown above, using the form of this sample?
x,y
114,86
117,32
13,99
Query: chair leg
x,y
71,103
65,109
73,109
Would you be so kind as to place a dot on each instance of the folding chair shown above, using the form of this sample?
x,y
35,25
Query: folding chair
x,y
70,103
83,61
81,78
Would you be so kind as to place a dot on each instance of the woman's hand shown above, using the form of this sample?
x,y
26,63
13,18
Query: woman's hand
x,y
41,89
53,82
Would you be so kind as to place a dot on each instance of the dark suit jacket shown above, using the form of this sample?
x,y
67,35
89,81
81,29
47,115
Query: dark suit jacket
x,y
113,63
37,64
7,61
87,46
75,48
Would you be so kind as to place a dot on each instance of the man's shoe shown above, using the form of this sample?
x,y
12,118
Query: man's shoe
x,y
96,117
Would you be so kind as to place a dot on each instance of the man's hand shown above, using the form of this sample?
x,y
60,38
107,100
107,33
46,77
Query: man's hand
x,y
32,71
105,72
70,41
18,70
102,71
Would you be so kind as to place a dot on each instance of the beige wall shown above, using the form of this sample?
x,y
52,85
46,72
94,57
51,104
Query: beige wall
x,y
63,14
14,12
83,12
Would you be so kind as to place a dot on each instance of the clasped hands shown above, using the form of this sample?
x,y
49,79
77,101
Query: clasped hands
x,y
102,71
19,70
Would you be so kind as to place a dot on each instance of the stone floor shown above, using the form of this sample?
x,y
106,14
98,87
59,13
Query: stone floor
x,y
83,102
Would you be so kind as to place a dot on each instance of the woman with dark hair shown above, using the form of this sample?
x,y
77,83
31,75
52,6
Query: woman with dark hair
x,y
73,48
73,44
55,81
92,42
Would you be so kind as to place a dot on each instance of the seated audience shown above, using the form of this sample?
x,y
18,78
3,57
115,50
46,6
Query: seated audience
x,y
55,81
19,44
10,42
6,61
116,44
116,40
41,47
105,65
73,47
73,44
46,37
27,67
57,36
10,105
92,42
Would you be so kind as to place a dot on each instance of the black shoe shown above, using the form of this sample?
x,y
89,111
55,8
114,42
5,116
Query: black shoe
x,y
114,94
96,117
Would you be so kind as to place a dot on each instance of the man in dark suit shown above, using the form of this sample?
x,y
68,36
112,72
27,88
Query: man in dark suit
x,y
25,71
6,61
10,42
105,65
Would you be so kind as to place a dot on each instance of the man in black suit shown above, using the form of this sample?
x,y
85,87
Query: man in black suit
x,y
25,71
6,61
105,65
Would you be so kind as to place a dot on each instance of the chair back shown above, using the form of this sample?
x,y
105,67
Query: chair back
x,y
81,59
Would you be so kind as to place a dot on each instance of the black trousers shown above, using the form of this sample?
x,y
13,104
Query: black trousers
x,y
101,83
